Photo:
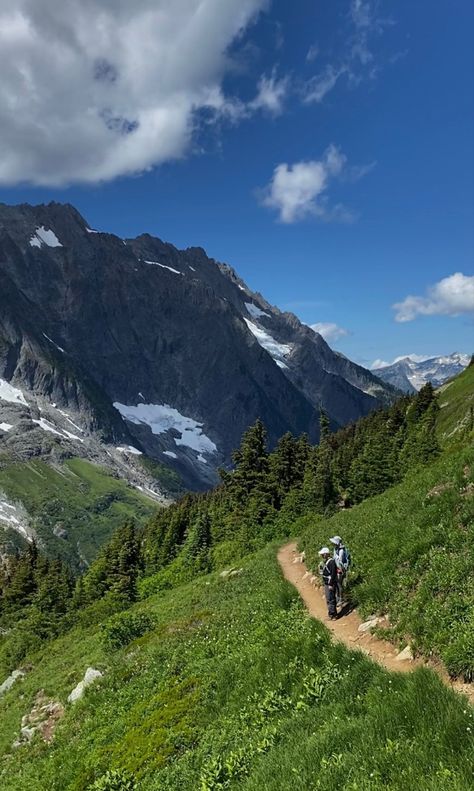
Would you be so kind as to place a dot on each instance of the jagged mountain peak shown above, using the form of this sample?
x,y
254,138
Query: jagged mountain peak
x,y
410,374
161,347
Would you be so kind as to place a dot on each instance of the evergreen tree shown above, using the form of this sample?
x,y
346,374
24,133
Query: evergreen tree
x,y
197,545
22,583
251,464
324,426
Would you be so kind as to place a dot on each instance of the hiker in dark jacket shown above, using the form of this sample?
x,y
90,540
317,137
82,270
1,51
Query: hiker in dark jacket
x,y
328,570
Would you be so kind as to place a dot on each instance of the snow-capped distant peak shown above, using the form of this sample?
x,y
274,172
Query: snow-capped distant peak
x,y
45,236
255,311
412,372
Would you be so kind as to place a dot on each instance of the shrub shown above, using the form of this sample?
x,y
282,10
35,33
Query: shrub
x,y
124,627
114,780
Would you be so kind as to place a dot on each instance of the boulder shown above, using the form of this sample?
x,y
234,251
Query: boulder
x,y
90,677
369,624
10,681
232,572
405,655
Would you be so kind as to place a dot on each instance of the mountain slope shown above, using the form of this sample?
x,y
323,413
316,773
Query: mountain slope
x,y
160,348
232,685
409,375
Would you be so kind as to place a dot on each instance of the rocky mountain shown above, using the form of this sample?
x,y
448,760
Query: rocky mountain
x,y
126,350
410,376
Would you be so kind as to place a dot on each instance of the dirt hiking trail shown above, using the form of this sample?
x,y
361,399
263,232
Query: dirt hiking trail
x,y
346,627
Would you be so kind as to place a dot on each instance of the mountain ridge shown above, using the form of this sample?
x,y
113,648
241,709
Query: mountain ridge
x,y
410,375
89,320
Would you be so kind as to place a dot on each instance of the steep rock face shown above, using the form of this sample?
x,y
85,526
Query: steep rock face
x,y
159,347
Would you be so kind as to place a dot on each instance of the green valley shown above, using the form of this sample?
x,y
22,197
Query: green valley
x,y
213,674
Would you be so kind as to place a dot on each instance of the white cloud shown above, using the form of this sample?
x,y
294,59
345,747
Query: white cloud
x,y
451,296
298,191
93,89
416,358
271,95
331,332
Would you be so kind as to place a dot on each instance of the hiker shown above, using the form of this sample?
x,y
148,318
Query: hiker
x,y
343,560
328,571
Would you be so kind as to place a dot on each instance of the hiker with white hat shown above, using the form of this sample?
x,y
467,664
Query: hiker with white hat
x,y
342,558
328,570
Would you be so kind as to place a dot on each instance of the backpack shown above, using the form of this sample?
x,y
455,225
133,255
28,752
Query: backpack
x,y
346,560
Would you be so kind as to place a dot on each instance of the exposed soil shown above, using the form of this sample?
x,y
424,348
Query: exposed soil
x,y
346,627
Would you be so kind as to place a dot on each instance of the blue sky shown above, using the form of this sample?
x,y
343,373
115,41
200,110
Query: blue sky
x,y
324,150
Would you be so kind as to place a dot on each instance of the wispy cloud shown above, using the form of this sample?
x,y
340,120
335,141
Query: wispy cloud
x,y
330,331
312,53
357,60
318,86
300,190
451,296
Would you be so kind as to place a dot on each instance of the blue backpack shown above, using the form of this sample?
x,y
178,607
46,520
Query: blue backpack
x,y
346,559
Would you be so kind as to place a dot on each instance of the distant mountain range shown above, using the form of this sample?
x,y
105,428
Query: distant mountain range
x,y
409,375
118,350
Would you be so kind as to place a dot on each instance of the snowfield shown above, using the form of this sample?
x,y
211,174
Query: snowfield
x,y
277,350
6,426
43,236
255,311
11,394
162,418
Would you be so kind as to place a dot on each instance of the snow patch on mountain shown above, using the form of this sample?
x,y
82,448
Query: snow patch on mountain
x,y
129,449
12,394
276,350
163,266
162,418
47,426
44,236
255,311
6,426
14,517
59,348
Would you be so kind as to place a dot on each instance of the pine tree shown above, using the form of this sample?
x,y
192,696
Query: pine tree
x,y
324,426
197,545
251,464
22,583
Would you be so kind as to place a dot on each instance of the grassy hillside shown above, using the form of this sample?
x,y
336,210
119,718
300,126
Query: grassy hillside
x,y
78,497
233,687
413,552
456,399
